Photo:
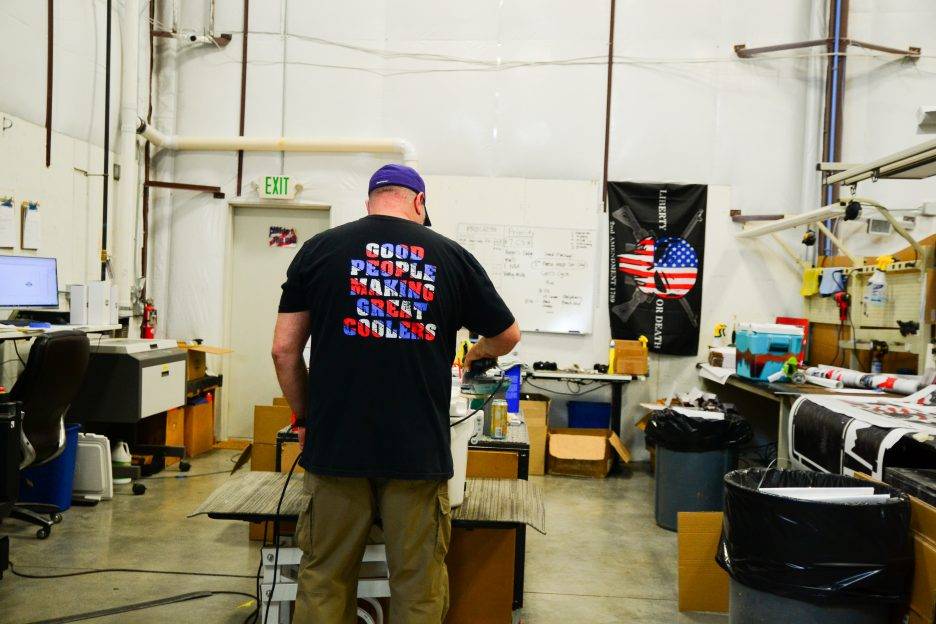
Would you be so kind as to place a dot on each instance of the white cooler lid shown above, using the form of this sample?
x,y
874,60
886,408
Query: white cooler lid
x,y
771,328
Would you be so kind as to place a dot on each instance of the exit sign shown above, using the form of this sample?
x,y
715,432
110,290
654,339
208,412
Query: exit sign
x,y
277,187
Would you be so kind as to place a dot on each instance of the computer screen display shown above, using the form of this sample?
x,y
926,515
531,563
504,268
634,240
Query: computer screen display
x,y
28,282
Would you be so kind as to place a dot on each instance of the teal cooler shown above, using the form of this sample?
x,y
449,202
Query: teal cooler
x,y
763,348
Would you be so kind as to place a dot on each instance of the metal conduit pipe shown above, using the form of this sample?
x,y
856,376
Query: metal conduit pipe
x,y
278,144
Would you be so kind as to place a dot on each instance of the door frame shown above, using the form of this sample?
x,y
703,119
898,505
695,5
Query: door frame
x,y
221,422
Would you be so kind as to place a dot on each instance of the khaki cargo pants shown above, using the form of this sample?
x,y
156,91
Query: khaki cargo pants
x,y
334,530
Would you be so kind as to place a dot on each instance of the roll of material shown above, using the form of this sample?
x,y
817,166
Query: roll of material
x,y
858,379
822,381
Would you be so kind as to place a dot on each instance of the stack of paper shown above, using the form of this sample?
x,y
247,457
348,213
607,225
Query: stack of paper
x,y
829,494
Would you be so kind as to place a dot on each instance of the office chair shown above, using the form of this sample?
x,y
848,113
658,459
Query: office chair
x,y
53,374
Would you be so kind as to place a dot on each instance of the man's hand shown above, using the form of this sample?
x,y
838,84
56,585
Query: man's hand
x,y
493,346
301,431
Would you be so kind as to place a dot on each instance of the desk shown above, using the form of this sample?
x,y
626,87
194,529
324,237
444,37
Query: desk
x,y
617,383
517,441
8,332
489,504
783,395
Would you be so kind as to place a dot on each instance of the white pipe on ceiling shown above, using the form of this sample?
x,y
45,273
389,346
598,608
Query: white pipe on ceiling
x,y
278,144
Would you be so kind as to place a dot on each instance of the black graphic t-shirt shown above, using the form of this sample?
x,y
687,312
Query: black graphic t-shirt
x,y
386,297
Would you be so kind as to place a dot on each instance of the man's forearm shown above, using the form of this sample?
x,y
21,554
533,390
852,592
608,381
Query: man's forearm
x,y
294,382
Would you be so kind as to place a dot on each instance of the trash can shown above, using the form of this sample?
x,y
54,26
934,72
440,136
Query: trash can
x,y
810,561
51,483
693,454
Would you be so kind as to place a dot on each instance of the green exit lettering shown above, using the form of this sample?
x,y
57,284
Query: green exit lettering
x,y
276,186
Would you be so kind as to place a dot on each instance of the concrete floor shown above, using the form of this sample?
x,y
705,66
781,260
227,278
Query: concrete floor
x,y
603,560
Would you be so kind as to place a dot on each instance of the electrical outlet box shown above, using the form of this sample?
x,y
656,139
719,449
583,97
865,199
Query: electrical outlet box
x,y
879,227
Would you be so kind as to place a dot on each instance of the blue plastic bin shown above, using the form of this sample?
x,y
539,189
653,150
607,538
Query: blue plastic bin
x,y
588,415
51,483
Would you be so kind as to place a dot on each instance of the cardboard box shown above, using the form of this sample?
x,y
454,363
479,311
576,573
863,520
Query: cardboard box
x,y
923,530
257,534
196,366
268,419
290,453
923,591
175,428
492,464
280,402
199,428
538,437
263,457
481,575
630,358
535,410
583,452
703,585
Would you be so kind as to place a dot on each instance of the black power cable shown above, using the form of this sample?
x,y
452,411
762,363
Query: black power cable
x,y
276,520
132,570
90,615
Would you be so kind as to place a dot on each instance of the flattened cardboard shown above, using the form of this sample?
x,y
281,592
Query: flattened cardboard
x,y
923,590
703,585
535,410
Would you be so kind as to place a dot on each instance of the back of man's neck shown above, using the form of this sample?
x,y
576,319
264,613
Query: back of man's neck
x,y
390,212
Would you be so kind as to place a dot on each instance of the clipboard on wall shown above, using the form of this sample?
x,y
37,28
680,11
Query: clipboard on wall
x,y
30,226
8,227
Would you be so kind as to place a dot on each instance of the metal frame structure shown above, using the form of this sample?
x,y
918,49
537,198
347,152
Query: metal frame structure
x,y
285,566
869,326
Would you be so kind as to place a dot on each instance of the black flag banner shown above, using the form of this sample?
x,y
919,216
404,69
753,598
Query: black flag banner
x,y
657,239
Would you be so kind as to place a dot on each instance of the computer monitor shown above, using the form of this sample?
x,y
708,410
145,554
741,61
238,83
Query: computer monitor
x,y
28,282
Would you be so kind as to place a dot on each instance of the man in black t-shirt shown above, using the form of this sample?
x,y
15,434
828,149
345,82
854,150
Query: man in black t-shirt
x,y
381,298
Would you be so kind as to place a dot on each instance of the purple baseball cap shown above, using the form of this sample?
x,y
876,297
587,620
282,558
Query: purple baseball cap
x,y
399,175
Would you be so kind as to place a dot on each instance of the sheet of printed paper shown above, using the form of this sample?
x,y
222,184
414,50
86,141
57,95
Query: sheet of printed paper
x,y
7,223
32,226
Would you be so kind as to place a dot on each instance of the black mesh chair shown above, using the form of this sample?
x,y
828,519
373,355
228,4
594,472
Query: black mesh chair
x,y
53,375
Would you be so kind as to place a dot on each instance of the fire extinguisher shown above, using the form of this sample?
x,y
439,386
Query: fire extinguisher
x,y
148,328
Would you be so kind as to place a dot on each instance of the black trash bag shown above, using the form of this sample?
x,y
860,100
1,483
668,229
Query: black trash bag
x,y
815,551
678,432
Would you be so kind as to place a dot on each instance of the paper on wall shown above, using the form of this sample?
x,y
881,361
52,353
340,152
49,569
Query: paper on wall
x,y
7,223
32,225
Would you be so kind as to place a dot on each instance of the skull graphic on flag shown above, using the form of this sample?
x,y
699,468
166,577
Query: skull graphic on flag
x,y
665,268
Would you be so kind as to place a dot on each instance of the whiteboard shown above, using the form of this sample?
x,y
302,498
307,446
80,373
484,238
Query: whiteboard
x,y
545,275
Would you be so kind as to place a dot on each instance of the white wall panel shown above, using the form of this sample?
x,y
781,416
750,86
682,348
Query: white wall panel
x,y
346,20
324,101
556,112
442,20
448,115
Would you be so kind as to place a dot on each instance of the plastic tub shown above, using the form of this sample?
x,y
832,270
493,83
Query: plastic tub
x,y
687,481
51,483
589,415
